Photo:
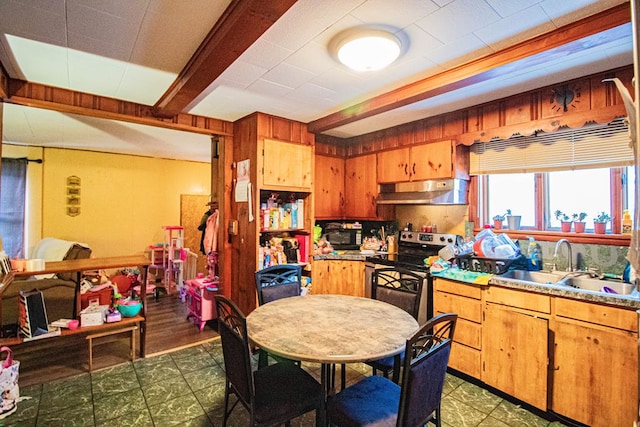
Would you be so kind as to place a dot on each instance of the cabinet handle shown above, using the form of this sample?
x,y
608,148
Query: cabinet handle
x,y
406,172
414,168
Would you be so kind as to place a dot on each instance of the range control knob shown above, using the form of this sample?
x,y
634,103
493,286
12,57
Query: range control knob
x,y
450,240
442,238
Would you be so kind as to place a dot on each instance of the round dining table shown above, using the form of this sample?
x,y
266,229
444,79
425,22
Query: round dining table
x,y
330,329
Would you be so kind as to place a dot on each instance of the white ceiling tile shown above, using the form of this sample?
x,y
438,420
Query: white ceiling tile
x,y
312,92
41,21
268,88
95,74
510,7
175,31
30,56
566,11
265,54
144,85
419,42
503,33
242,73
86,44
312,57
466,48
398,13
457,19
288,75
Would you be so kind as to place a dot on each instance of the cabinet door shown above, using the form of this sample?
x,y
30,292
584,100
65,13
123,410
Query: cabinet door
x,y
393,166
361,187
287,165
338,277
329,187
431,161
595,374
514,354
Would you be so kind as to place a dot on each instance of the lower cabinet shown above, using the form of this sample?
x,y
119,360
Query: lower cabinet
x,y
595,364
337,277
515,353
465,300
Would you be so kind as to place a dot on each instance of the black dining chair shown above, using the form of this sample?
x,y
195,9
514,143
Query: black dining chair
x,y
273,283
402,288
274,394
376,400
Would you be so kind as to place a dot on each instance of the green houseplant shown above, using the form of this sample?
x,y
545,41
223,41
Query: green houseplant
x,y
565,221
513,221
497,221
578,221
600,222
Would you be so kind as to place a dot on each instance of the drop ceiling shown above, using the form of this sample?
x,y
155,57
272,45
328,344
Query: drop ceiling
x,y
134,51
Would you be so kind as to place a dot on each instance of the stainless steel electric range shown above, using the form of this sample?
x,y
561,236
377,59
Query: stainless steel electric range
x,y
413,248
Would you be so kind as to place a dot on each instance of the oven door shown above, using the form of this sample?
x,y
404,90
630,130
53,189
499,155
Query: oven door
x,y
425,312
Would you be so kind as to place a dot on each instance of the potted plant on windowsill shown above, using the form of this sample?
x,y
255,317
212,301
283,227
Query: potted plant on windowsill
x,y
578,221
600,223
565,221
513,221
497,221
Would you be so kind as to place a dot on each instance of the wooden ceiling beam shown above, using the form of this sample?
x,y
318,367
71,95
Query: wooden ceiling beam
x,y
475,71
242,23
74,102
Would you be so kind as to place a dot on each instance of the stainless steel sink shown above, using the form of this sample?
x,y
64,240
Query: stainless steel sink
x,y
595,285
532,276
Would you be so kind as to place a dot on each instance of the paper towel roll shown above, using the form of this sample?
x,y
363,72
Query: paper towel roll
x,y
36,264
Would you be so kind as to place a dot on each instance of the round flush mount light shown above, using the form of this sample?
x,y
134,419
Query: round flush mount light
x,y
364,49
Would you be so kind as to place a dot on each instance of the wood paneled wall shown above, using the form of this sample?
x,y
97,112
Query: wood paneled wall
x,y
522,114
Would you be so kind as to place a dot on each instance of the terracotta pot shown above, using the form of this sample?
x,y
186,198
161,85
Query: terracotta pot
x,y
497,224
565,226
579,226
600,227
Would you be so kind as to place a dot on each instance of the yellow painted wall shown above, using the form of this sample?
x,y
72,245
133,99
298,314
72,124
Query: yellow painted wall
x,y
124,200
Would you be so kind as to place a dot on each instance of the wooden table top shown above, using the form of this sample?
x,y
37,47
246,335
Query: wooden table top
x,y
87,264
330,328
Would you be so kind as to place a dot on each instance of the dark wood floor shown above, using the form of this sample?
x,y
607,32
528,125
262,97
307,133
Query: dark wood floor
x,y
54,358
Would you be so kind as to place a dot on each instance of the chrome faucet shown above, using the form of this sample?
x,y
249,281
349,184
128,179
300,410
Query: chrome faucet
x,y
569,254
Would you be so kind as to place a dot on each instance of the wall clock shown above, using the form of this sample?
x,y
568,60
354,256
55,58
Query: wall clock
x,y
564,97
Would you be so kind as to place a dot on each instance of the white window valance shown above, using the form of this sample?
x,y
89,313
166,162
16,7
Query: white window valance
x,y
593,146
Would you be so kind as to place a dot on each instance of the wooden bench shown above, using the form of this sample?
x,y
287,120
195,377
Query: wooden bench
x,y
91,337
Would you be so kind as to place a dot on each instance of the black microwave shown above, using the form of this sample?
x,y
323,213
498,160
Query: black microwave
x,y
345,238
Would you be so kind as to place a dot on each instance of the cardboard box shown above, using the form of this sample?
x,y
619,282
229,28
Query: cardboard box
x,y
93,315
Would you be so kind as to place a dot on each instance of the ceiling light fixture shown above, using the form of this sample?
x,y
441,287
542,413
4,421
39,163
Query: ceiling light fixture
x,y
367,49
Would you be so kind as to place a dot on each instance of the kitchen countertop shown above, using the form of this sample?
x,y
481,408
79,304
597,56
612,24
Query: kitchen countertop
x,y
632,300
346,255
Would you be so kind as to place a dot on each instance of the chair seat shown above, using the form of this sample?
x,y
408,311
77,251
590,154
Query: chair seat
x,y
283,389
386,363
373,401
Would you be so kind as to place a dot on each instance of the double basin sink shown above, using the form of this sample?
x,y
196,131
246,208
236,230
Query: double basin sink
x,y
579,281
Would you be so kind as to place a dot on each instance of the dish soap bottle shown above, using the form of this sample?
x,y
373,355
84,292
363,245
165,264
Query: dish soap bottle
x,y
626,222
534,257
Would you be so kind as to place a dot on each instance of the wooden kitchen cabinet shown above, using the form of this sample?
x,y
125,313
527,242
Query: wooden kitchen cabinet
x,y
465,300
329,187
361,188
515,343
595,363
337,277
417,163
287,166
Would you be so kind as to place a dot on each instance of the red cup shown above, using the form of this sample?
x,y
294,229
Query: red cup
x,y
73,324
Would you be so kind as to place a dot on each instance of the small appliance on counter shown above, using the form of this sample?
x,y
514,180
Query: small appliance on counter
x,y
344,235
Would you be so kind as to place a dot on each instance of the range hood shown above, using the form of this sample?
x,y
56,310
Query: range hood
x,y
432,192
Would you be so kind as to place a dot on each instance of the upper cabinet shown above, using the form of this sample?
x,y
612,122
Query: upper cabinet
x,y
287,166
361,190
436,160
329,187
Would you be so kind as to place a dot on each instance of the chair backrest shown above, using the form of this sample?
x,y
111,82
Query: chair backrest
x,y
278,281
232,327
425,367
397,286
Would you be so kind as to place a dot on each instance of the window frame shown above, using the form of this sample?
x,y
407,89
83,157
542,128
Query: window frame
x,y
478,211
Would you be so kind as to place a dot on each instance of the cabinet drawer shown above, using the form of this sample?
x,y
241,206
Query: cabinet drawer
x,y
462,289
468,333
519,299
466,308
465,359
614,317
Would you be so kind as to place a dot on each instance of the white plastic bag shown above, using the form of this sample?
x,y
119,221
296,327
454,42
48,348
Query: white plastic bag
x,y
9,384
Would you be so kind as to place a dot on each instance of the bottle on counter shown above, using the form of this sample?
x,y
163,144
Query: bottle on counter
x,y
627,223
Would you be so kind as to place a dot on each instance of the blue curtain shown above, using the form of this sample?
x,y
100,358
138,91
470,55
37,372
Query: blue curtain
x,y
12,204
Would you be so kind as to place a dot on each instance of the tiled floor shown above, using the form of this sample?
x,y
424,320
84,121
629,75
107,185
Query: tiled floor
x,y
186,388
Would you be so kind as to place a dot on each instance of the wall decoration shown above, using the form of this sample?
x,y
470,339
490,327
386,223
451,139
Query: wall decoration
x,y
73,195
